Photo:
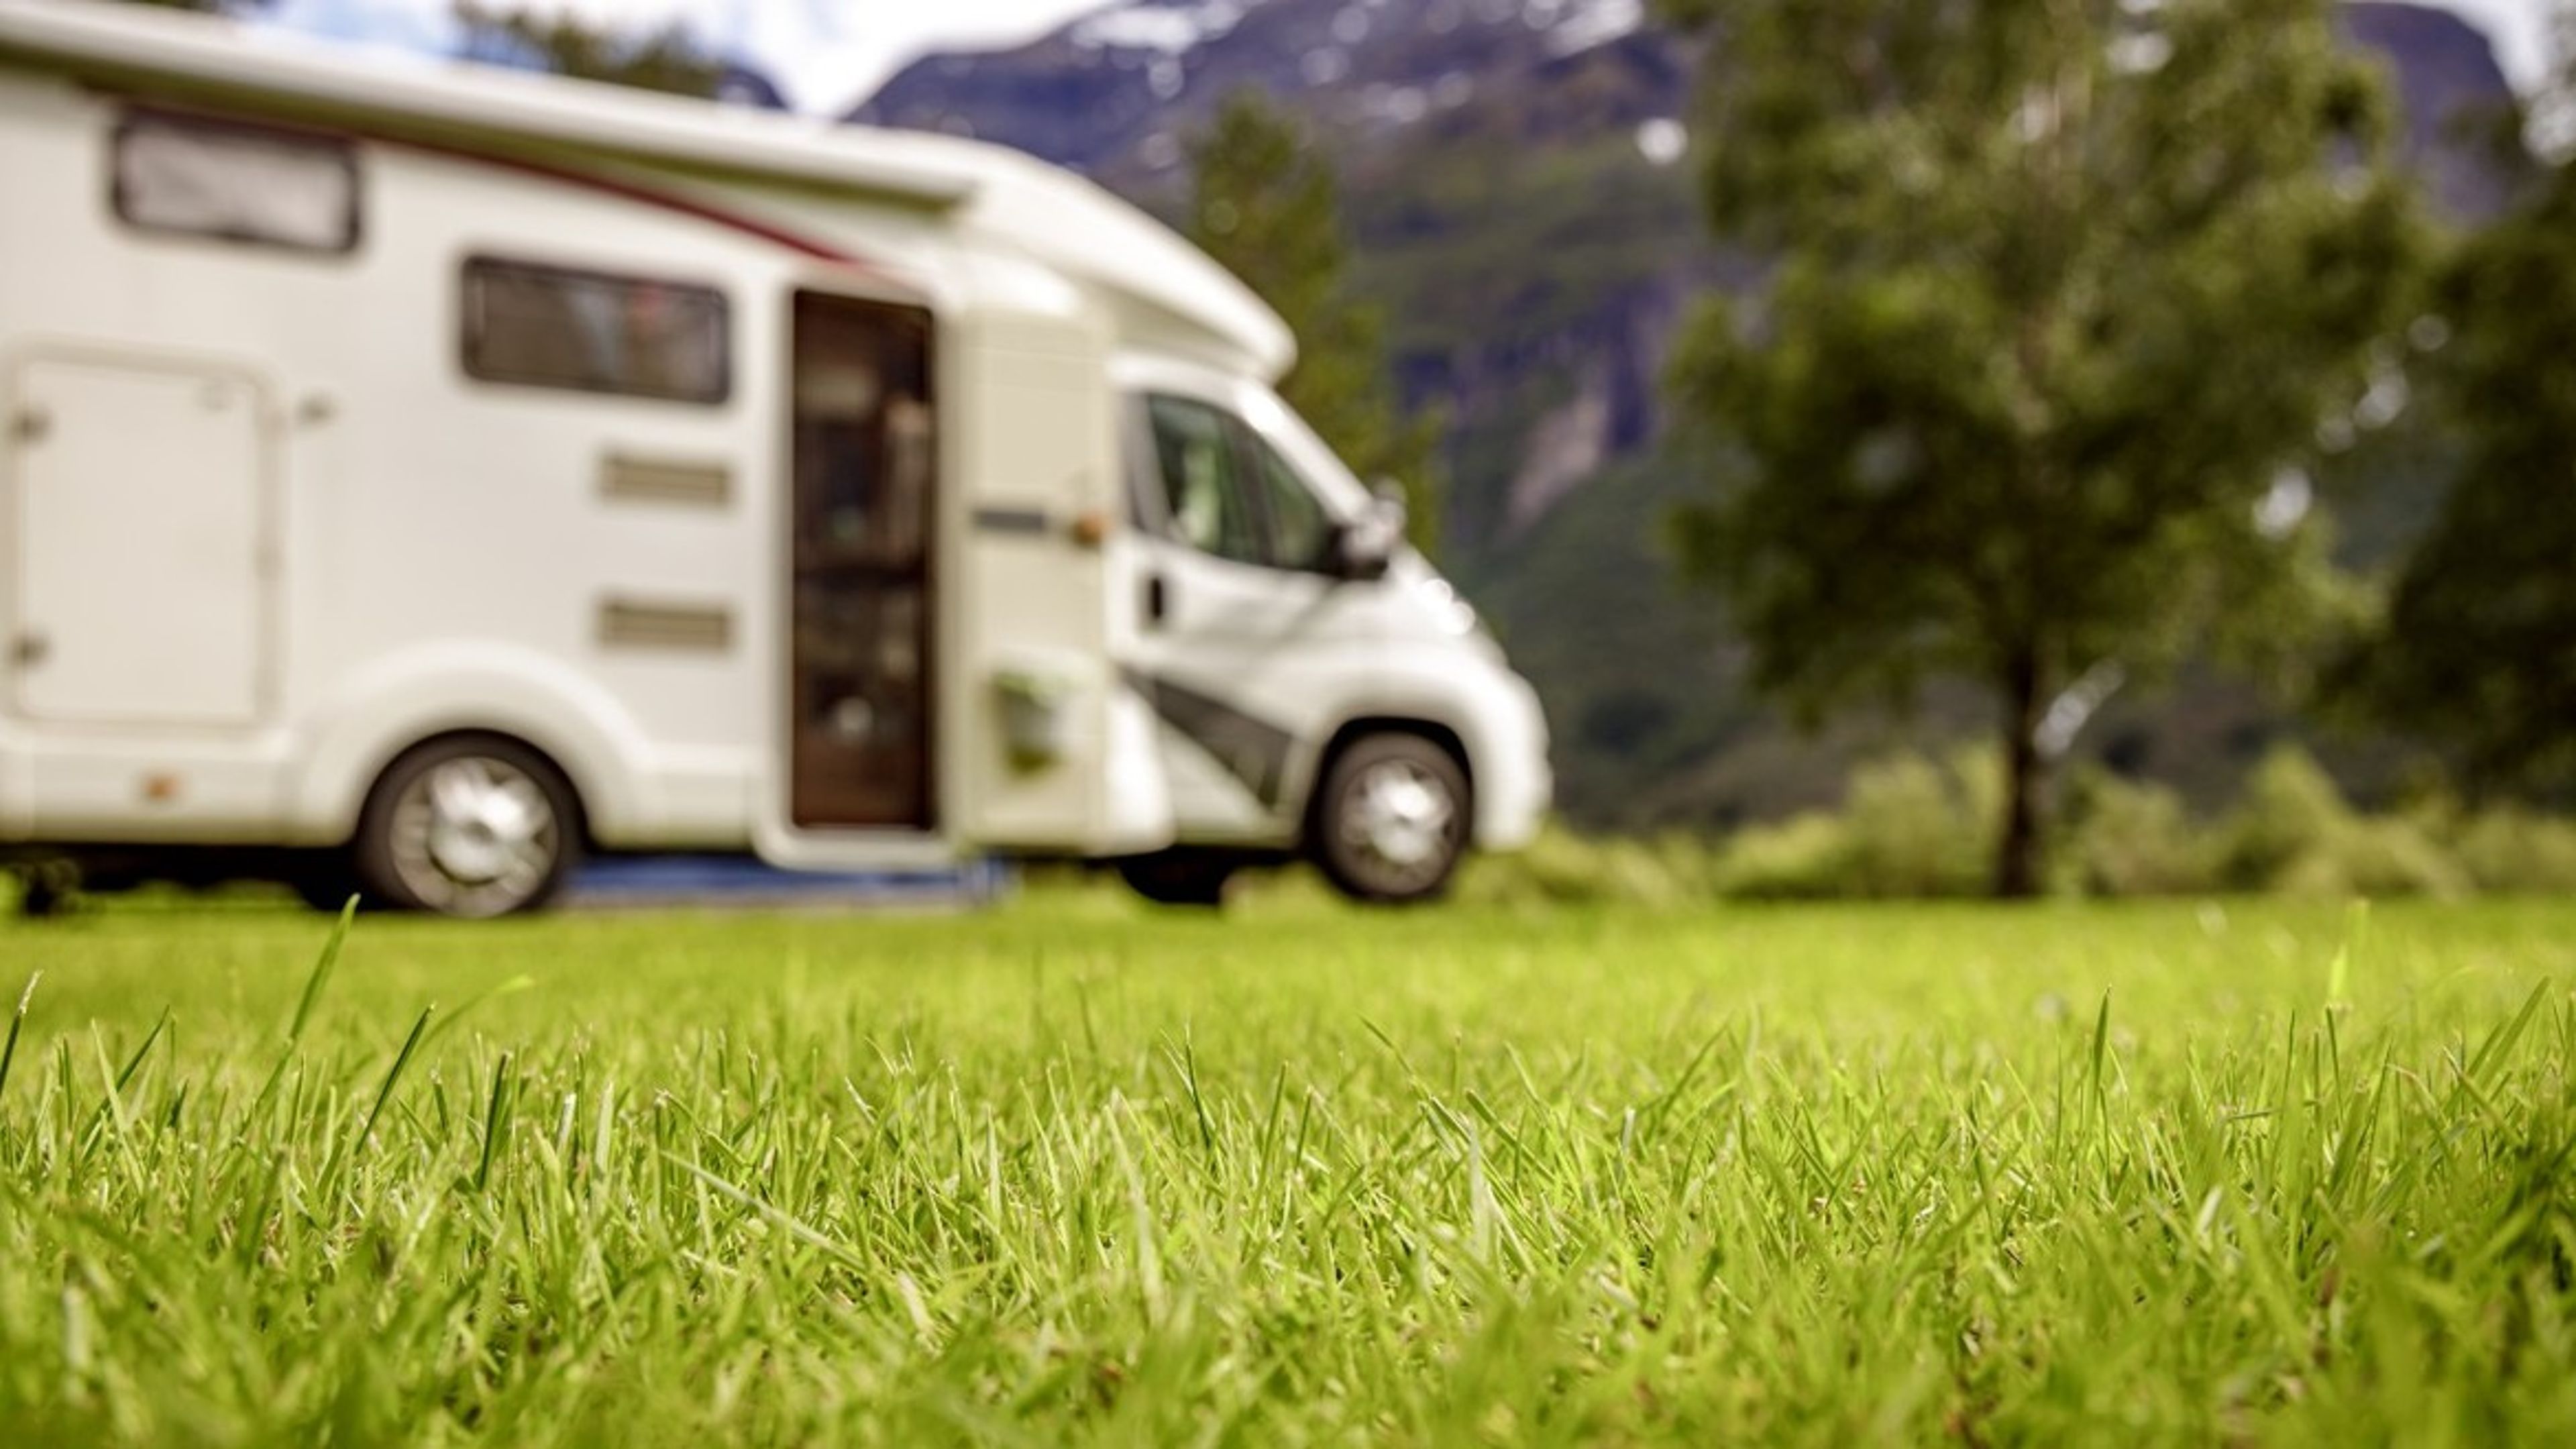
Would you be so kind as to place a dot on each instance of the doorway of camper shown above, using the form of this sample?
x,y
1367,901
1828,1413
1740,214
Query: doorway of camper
x,y
859,647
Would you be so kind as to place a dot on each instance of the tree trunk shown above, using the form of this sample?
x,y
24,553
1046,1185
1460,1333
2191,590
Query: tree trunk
x,y
2020,851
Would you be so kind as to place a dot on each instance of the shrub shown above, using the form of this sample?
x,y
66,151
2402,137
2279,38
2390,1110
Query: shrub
x,y
2123,838
2515,850
2294,834
1914,828
1806,857
1565,868
1911,827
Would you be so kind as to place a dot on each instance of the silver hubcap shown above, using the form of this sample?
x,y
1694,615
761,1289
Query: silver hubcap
x,y
474,836
1398,820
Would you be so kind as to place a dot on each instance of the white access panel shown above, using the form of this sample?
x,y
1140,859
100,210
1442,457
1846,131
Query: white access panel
x,y
140,519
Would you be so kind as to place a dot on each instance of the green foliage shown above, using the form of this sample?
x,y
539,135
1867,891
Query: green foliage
x,y
2514,851
672,59
1562,867
2479,646
1806,857
2294,834
1914,828
1917,829
2061,293
1263,204
1634,671
1072,1174
1909,829
1482,243
2129,838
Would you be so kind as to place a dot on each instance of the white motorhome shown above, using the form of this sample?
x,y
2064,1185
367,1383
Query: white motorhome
x,y
413,476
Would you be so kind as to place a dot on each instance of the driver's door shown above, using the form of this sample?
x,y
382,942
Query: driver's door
x,y
1247,643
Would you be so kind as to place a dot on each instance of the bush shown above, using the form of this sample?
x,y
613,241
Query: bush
x,y
1565,868
2295,835
1911,827
1806,857
2514,850
2123,838
1908,828
1918,829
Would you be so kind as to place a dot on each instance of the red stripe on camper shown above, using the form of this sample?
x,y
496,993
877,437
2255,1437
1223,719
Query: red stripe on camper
x,y
779,236
751,226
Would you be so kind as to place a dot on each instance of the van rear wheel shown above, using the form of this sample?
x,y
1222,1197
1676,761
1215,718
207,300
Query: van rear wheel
x,y
471,826
1390,823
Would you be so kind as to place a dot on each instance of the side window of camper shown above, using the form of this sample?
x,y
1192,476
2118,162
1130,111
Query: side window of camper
x,y
1205,494
233,182
545,326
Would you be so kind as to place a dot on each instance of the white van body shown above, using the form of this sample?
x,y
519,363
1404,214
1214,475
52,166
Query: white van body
x,y
350,403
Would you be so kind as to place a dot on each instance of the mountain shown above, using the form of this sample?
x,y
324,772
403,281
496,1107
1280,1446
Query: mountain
x,y
2452,94
1515,176
1532,258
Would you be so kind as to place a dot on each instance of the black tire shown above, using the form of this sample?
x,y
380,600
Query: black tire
x,y
1179,877
1390,821
326,882
470,826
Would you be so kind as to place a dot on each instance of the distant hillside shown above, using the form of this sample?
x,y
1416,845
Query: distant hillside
x,y
1518,187
1532,260
2452,93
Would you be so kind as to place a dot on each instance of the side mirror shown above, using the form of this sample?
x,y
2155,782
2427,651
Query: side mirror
x,y
1364,547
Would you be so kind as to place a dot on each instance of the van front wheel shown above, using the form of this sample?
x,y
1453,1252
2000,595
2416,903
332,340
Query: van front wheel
x,y
1391,822
471,826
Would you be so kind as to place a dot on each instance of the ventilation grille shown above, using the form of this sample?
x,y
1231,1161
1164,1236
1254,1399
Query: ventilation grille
x,y
662,480
633,624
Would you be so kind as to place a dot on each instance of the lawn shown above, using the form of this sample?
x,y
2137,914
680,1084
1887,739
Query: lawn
x,y
1069,1172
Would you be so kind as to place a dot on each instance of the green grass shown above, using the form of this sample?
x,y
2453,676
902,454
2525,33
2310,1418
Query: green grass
x,y
1070,1173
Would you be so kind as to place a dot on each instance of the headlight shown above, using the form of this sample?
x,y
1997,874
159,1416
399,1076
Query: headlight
x,y
1451,613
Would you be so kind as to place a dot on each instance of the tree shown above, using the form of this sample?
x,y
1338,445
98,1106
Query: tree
x,y
1263,205
2060,293
2478,648
671,59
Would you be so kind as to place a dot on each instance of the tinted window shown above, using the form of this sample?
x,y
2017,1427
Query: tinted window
x,y
551,327
236,183
1300,530
1203,487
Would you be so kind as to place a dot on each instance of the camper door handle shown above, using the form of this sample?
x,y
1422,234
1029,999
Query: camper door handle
x,y
30,648
1158,599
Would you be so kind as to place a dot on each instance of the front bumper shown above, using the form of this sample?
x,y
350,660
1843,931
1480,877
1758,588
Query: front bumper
x,y
1515,785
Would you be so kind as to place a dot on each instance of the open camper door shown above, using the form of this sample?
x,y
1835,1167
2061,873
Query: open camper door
x,y
1051,752
951,516
861,752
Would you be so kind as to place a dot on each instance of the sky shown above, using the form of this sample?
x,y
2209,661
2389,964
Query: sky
x,y
829,54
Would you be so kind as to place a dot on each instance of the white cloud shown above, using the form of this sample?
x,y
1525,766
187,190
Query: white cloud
x,y
826,54
2520,30
829,54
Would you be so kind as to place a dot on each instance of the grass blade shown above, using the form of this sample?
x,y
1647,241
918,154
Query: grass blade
x,y
17,1023
393,1076
321,976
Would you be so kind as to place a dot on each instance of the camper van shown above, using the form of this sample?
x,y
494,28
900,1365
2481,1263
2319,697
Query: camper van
x,y
414,478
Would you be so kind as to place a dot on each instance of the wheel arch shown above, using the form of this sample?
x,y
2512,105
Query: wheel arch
x,y
574,726
1446,737
474,734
